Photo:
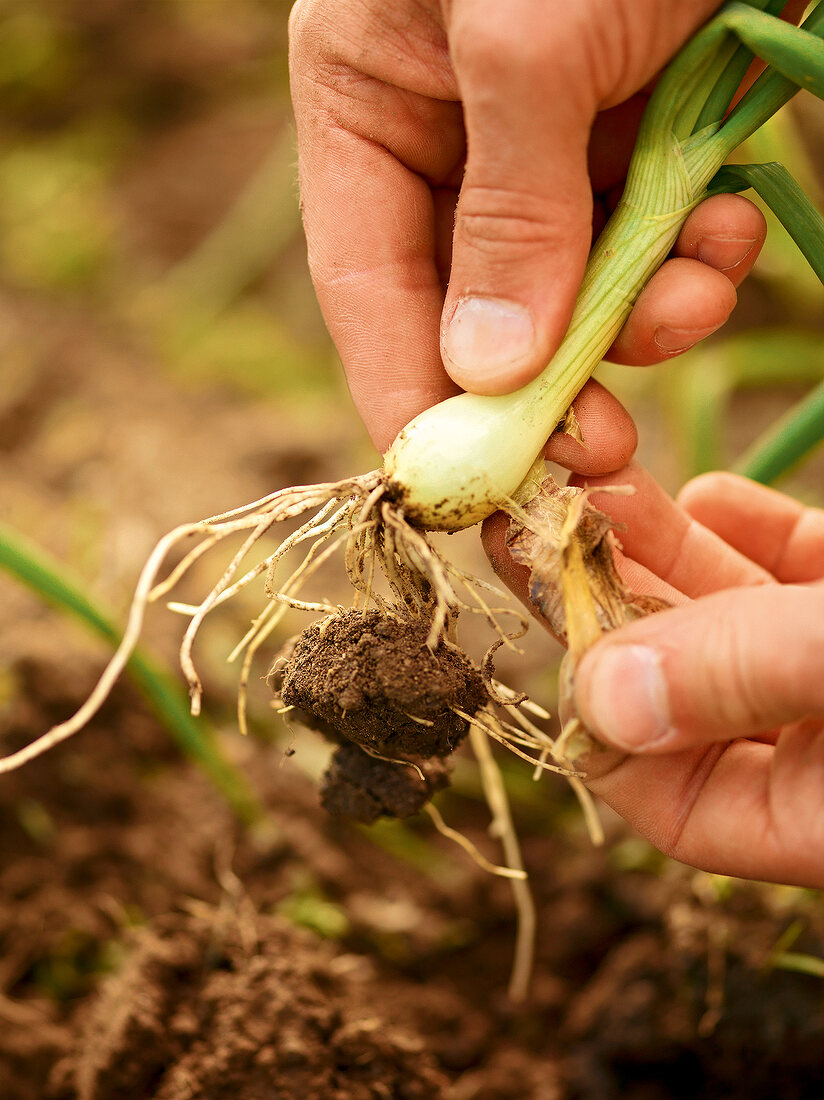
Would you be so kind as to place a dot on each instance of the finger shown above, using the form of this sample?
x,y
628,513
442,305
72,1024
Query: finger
x,y
777,532
742,809
733,664
683,302
523,223
608,434
726,232
376,279
516,576
661,536
370,153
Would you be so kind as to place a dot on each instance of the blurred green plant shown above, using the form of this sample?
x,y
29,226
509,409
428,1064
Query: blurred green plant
x,y
37,59
56,226
781,958
22,560
308,907
697,392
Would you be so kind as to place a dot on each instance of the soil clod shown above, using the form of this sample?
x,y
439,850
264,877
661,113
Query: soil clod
x,y
364,788
375,681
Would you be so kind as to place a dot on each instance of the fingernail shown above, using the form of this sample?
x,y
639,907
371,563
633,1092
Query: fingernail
x,y
485,338
624,697
672,340
724,252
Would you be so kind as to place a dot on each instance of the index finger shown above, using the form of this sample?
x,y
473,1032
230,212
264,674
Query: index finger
x,y
378,129
778,533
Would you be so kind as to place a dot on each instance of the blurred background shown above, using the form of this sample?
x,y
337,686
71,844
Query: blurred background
x,y
163,359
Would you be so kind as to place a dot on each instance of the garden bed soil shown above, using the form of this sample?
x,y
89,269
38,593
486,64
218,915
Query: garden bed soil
x,y
153,948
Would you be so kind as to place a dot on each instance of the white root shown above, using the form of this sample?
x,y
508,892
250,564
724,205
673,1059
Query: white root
x,y
471,850
496,797
353,512
113,669
255,518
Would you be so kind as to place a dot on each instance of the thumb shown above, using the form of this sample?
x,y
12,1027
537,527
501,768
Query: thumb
x,y
524,217
734,664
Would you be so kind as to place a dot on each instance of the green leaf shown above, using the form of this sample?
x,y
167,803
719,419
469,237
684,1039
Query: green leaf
x,y
802,964
729,81
30,565
772,89
795,52
787,442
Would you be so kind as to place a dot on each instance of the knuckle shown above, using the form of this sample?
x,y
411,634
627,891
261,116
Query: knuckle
x,y
491,217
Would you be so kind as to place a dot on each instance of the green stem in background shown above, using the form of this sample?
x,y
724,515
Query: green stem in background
x,y
801,430
238,250
28,564
787,441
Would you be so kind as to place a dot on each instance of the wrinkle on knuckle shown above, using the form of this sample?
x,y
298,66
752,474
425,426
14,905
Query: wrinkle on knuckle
x,y
331,96
490,217
336,80
346,283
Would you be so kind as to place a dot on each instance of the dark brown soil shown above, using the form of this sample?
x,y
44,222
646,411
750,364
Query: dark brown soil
x,y
154,950
364,788
230,1009
376,683
151,947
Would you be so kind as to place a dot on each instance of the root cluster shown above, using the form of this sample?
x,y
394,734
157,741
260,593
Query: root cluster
x,y
385,678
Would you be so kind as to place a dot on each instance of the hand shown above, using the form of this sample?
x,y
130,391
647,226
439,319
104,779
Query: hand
x,y
547,97
715,709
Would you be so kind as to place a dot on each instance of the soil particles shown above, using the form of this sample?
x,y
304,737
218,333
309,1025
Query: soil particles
x,y
153,949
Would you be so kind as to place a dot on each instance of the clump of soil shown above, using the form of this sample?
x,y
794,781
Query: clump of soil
x,y
375,682
364,788
226,1008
